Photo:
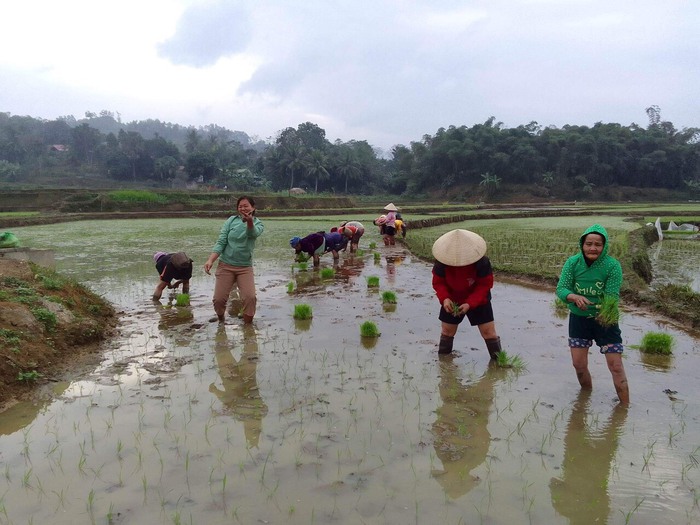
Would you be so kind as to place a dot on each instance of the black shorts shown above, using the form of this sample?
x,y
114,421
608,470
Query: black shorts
x,y
480,315
389,230
584,330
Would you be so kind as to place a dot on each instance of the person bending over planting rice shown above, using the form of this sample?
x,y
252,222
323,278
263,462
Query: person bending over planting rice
x,y
354,230
462,280
311,246
172,266
589,283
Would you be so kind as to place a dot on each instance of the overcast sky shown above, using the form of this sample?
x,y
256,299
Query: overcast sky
x,y
384,71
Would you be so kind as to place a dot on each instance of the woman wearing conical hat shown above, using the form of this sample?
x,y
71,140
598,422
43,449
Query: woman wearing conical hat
x,y
462,280
389,226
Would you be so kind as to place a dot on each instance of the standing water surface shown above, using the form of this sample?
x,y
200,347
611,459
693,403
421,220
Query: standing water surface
x,y
186,421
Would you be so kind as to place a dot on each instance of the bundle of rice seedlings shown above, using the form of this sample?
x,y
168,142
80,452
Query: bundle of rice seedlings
x,y
327,273
657,343
372,281
509,361
302,311
389,297
369,329
182,299
609,311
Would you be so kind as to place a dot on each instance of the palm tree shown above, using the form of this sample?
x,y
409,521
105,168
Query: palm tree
x,y
491,183
348,166
295,158
316,166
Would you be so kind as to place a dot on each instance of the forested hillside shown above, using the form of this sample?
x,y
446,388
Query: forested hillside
x,y
482,161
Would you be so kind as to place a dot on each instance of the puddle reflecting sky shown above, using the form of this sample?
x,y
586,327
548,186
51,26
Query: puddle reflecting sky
x,y
304,422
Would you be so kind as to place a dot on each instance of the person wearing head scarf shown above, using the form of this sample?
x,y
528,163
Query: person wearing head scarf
x,y
313,246
172,266
589,280
234,250
462,280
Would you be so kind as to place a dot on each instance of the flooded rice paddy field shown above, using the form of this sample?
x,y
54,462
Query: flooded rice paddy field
x,y
185,421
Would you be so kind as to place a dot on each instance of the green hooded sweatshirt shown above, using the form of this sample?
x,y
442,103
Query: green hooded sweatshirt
x,y
602,278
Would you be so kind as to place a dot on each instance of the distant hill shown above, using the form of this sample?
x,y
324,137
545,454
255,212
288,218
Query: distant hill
x,y
106,123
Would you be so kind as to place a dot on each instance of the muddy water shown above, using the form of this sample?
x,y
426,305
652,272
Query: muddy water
x,y
185,421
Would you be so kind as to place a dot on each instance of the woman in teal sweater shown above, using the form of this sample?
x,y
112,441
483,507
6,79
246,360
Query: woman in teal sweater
x,y
587,278
234,249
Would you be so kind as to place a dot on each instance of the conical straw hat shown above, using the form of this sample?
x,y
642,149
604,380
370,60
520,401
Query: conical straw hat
x,y
459,248
391,207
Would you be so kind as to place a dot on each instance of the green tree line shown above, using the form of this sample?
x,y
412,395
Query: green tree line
x,y
558,161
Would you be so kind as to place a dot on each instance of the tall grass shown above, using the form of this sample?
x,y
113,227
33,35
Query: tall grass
x,y
528,246
137,196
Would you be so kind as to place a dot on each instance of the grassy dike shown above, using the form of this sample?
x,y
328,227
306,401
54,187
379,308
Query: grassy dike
x,y
48,325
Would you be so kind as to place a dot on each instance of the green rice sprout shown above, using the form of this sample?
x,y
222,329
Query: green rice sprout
x,y
388,297
455,309
608,312
290,286
302,311
369,329
509,361
182,299
657,343
373,281
373,246
561,310
360,252
377,256
302,265
327,273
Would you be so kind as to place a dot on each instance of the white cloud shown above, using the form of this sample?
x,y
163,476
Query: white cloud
x,y
388,71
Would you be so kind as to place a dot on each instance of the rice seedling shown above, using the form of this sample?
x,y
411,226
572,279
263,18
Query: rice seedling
x,y
373,245
369,329
561,310
290,287
608,312
182,299
327,273
388,297
360,253
657,343
302,311
505,360
303,266
377,256
373,281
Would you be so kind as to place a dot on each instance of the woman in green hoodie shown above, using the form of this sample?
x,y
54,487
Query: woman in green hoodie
x,y
586,279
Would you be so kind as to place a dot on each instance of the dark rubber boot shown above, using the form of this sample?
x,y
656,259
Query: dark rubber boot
x,y
445,344
494,347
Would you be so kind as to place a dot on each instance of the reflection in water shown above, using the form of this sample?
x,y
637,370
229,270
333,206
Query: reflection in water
x,y
351,266
308,281
24,413
657,362
582,492
461,434
392,261
240,393
172,316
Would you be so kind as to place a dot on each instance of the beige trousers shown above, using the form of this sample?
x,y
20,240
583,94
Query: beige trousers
x,y
226,277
